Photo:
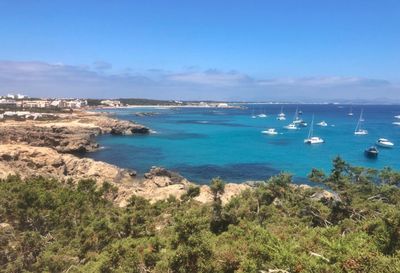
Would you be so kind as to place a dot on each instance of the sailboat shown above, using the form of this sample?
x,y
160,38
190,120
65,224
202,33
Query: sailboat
x,y
296,119
351,111
359,130
252,114
281,115
262,115
313,139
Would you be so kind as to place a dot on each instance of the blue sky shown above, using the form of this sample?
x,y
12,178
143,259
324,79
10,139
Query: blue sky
x,y
254,50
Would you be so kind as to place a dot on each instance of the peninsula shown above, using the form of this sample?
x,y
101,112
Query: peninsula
x,y
53,145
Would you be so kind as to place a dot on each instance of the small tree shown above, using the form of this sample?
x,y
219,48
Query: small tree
x,y
218,224
339,167
192,192
317,176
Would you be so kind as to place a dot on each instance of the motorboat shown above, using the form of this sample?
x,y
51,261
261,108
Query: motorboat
x,y
383,142
270,131
359,130
313,139
322,124
291,126
371,152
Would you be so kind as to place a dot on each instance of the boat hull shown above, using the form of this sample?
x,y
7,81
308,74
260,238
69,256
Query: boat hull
x,y
370,154
361,133
314,141
385,144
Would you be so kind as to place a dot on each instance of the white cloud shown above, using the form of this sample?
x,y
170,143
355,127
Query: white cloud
x,y
211,77
99,80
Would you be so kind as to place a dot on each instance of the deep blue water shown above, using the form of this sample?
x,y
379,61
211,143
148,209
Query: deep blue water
x,y
205,143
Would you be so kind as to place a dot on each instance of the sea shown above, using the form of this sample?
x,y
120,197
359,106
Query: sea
x,y
203,143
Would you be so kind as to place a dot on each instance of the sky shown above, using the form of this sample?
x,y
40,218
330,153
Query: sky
x,y
308,50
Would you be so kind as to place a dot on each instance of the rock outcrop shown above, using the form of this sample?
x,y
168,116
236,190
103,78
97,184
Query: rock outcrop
x,y
62,139
231,190
32,148
28,161
73,133
158,184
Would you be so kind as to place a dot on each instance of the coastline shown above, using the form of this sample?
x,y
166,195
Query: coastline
x,y
56,148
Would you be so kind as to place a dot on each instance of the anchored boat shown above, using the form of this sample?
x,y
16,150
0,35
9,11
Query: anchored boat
x,y
291,126
313,139
383,142
270,131
359,130
281,115
371,152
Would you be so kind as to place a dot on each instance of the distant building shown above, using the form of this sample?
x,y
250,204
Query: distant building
x,y
111,103
17,96
57,104
222,105
73,104
20,96
7,103
35,104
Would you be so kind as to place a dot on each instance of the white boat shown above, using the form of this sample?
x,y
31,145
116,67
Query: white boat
x,y
359,130
262,115
296,119
322,124
291,126
398,116
281,115
383,142
313,139
270,131
396,123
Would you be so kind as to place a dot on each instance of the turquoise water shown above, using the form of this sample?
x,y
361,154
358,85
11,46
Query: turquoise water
x,y
205,143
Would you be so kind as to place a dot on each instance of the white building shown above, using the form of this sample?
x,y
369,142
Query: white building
x,y
222,105
17,96
111,103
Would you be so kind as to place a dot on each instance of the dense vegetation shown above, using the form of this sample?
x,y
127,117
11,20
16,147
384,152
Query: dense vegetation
x,y
47,226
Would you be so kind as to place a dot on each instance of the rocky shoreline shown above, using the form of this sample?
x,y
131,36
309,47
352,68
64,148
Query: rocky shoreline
x,y
48,148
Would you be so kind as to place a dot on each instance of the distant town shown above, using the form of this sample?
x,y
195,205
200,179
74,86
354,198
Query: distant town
x,y
21,106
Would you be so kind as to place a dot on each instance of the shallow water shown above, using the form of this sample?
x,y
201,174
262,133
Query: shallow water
x,y
205,143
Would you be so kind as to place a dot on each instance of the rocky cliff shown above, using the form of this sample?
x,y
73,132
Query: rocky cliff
x,y
158,184
67,134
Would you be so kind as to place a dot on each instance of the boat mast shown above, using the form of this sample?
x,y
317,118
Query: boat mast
x,y
310,133
358,127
